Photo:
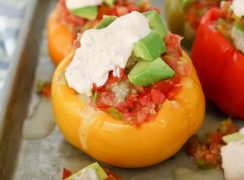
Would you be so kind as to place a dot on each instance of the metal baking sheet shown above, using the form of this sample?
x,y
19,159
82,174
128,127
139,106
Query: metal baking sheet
x,y
31,146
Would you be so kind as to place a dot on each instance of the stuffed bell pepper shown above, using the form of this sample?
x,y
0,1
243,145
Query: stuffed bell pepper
x,y
183,16
73,16
218,55
128,95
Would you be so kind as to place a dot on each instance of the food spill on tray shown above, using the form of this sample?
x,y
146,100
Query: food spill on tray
x,y
222,149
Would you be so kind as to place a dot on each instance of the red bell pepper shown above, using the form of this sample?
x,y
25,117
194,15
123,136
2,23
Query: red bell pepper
x,y
220,67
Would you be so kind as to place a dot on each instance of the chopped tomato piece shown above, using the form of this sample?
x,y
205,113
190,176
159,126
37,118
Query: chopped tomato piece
x,y
105,100
128,115
171,61
172,42
131,100
163,86
99,89
66,173
157,96
216,137
104,10
121,10
122,107
176,89
145,98
176,79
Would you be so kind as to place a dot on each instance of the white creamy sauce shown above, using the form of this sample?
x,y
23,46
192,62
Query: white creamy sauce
x,y
74,4
233,159
237,37
238,7
87,174
104,50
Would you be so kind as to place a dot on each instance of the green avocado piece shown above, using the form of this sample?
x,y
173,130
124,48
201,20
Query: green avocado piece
x,y
145,73
110,3
233,137
150,47
156,23
105,21
95,166
89,12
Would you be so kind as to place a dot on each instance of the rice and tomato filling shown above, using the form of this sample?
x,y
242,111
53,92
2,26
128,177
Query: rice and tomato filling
x,y
139,104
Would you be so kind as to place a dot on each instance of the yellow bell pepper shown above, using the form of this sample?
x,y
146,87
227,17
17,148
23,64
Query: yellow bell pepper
x,y
121,144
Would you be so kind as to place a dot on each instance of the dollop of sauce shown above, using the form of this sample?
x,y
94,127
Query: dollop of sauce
x,y
233,159
74,4
88,174
238,7
105,50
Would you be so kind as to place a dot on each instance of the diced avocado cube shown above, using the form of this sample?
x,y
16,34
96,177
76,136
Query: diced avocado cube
x,y
95,166
110,3
150,47
156,23
105,21
145,73
89,12
233,137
